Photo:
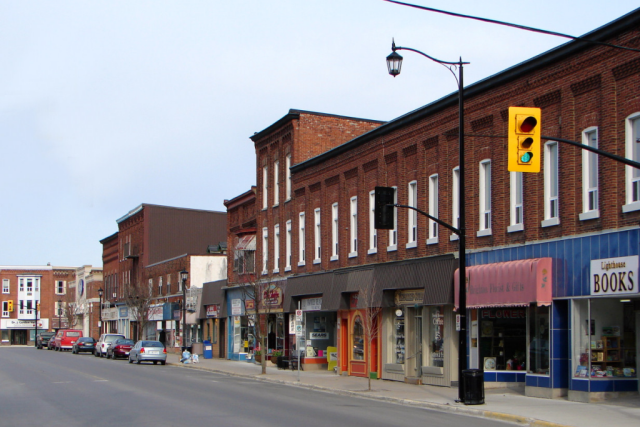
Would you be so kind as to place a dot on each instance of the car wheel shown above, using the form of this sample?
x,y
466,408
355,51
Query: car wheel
x,y
95,353
155,362
138,361
163,362
73,351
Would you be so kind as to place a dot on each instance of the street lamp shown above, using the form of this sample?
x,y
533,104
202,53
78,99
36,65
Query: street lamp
x,y
184,275
100,291
394,64
59,314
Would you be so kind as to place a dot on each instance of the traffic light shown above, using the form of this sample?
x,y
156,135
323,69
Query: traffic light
x,y
37,306
10,305
524,139
383,208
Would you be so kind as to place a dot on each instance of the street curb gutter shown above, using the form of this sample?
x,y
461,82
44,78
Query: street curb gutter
x,y
499,416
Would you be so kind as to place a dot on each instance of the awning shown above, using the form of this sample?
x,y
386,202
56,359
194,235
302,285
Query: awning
x,y
247,243
214,294
320,284
507,284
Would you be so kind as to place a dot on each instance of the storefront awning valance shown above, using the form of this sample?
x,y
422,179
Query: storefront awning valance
x,y
247,243
508,284
213,293
311,285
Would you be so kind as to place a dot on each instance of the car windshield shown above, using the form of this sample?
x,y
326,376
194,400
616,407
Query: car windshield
x,y
152,344
73,334
112,338
124,342
87,339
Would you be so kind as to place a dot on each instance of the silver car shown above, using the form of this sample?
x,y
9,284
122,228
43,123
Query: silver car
x,y
151,351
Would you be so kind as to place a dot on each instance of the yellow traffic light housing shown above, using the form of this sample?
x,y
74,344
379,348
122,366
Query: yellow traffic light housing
x,y
524,139
10,305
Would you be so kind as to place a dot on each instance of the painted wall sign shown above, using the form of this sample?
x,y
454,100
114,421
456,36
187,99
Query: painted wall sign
x,y
213,310
25,324
614,276
236,307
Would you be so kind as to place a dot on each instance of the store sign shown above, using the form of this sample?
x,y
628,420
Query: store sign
x,y
24,324
311,304
614,276
236,307
409,297
123,312
272,299
213,310
319,335
154,313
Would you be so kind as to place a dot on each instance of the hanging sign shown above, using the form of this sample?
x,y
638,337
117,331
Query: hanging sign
x,y
298,315
457,322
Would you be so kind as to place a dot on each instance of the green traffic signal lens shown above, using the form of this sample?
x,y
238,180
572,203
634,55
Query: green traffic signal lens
x,y
526,157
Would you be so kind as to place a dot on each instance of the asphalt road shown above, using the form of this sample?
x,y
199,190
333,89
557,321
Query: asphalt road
x,y
47,388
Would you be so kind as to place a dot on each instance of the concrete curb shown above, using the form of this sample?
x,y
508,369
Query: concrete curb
x,y
464,410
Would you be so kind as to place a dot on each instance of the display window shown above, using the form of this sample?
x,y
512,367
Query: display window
x,y
604,339
358,339
539,344
503,338
436,337
399,336
319,327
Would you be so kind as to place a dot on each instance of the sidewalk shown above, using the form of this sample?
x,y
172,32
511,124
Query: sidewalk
x,y
505,405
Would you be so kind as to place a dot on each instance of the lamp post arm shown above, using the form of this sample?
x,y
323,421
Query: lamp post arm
x,y
445,64
442,223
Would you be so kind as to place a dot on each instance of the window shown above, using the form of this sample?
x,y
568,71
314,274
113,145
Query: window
x,y
551,209
160,285
60,287
276,248
301,240
5,308
317,236
517,214
485,198
590,208
353,228
433,209
150,287
412,221
288,172
632,175
373,233
358,339
334,232
168,284
265,249
265,186
455,201
276,183
393,234
21,281
5,286
29,284
287,261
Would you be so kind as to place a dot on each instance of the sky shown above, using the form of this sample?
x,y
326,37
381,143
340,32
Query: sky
x,y
105,105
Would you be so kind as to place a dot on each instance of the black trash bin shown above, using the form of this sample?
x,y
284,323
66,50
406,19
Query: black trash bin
x,y
473,381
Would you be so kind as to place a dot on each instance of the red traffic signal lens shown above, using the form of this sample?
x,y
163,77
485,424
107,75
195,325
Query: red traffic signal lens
x,y
528,124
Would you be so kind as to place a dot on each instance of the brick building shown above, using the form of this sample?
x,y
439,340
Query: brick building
x,y
567,227
23,288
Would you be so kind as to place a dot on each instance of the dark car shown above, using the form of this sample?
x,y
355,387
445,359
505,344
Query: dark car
x,y
86,344
120,349
43,338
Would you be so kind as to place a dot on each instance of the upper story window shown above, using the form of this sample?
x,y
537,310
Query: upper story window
x,y
393,234
433,209
160,285
265,186
632,175
373,233
288,173
516,222
301,240
353,227
287,261
5,286
317,236
485,198
21,284
334,232
276,183
168,284
455,201
551,189
265,250
60,287
412,220
5,308
590,208
276,248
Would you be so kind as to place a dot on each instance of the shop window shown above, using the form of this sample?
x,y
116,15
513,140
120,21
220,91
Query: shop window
x,y
539,340
503,338
604,338
358,339
436,350
398,329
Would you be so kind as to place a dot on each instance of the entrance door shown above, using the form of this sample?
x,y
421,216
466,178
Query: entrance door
x,y
19,337
415,339
344,345
418,343
222,339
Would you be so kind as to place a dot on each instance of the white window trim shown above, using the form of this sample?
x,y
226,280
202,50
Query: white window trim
x,y
64,287
630,205
265,250
334,232
288,177
353,227
594,213
287,266
265,188
412,216
455,200
373,233
276,249
393,234
302,240
550,221
317,236
513,190
276,183
6,286
484,228
433,233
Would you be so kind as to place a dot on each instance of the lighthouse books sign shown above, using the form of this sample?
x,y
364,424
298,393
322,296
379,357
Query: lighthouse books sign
x,y
614,276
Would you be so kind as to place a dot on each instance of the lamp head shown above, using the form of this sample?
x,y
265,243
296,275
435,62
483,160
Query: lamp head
x,y
184,275
100,291
394,61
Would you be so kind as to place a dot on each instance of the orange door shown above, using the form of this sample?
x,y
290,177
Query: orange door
x,y
344,345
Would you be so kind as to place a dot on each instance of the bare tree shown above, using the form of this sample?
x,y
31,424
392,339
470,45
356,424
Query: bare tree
x,y
68,306
369,303
138,297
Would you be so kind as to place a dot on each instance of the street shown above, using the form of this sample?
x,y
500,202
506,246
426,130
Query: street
x,y
49,388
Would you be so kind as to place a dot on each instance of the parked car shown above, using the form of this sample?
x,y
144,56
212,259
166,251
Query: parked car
x,y
43,338
86,344
120,349
104,342
51,345
152,351
66,338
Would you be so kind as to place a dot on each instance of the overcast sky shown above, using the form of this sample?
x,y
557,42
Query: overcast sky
x,y
105,105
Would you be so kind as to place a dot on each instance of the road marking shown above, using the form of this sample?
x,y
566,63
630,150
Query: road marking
x,y
100,381
61,382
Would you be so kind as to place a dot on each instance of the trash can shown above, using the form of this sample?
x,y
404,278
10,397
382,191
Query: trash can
x,y
208,350
196,348
473,382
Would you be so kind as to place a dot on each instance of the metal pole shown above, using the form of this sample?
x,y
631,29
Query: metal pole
x,y
100,327
184,314
298,346
462,334
35,337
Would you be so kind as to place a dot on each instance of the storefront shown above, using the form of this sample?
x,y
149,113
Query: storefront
x,y
214,309
21,332
239,342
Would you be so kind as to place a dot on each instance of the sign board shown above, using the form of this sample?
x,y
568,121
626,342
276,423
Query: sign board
x,y
236,307
298,315
25,324
457,322
614,276
213,310
299,331
319,335
311,304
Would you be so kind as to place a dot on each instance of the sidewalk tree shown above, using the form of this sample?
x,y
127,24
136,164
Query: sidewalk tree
x,y
369,304
138,298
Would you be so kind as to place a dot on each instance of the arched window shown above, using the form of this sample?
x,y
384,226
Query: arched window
x,y
358,339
